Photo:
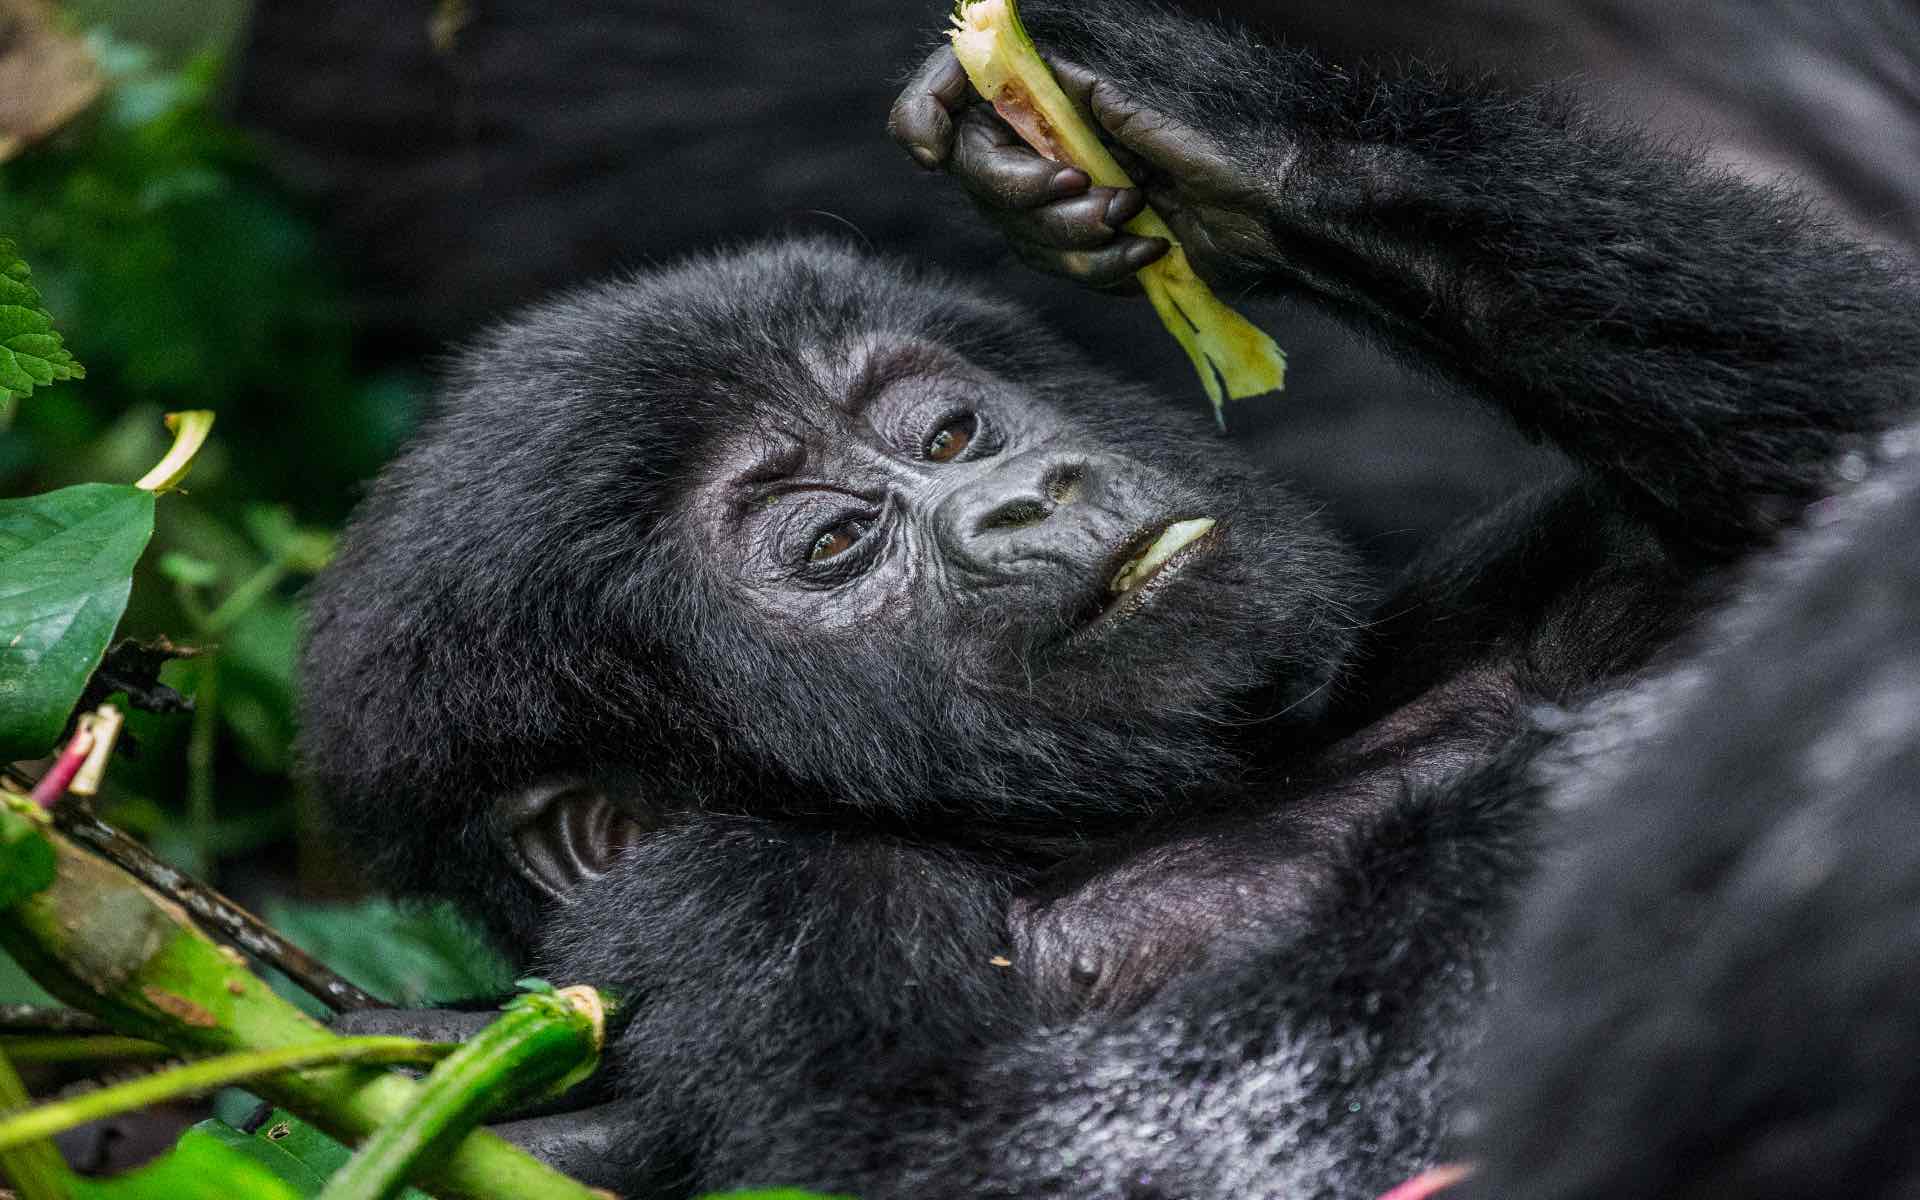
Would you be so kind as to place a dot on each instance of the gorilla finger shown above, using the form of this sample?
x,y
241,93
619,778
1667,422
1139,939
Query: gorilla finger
x,y
1164,144
426,1024
1107,267
1001,172
594,1145
921,119
1082,222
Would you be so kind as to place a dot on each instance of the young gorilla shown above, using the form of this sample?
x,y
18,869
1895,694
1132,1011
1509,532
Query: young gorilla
x,y
825,657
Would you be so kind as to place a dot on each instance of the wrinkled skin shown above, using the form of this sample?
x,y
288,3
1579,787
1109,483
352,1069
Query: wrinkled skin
x,y
769,681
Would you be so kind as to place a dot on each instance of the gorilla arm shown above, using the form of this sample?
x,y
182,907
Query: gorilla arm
x,y
1699,343
757,964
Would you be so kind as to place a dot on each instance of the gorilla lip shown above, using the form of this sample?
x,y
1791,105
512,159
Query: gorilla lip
x,y
1174,537
1151,558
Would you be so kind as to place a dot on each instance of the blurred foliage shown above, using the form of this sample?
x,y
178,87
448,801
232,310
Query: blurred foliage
x,y
185,278
408,956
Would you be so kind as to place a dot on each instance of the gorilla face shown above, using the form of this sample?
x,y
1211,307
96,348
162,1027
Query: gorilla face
x,y
959,575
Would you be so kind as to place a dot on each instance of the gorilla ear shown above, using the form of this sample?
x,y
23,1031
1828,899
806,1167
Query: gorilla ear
x,y
562,833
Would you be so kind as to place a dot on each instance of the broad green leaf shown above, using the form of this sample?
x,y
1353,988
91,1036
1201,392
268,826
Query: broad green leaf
x,y
296,1152
408,955
66,566
26,858
30,351
17,987
201,1166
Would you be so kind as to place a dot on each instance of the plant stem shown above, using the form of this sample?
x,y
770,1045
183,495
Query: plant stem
x,y
99,940
227,920
249,592
206,710
205,1076
39,1019
200,750
41,1049
541,1039
36,1170
72,757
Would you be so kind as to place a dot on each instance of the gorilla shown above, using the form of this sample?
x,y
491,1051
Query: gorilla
x,y
978,778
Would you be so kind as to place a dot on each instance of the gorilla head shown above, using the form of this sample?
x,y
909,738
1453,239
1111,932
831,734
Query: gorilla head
x,y
793,531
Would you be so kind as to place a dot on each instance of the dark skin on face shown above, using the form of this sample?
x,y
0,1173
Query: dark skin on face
x,y
928,484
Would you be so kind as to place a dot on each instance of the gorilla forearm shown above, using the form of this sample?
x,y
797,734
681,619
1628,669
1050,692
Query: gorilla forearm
x,y
1702,343
854,949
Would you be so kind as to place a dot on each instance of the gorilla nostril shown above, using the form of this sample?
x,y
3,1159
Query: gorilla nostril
x,y
1016,514
1064,486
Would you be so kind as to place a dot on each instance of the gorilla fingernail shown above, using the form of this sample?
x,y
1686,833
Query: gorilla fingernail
x,y
1067,183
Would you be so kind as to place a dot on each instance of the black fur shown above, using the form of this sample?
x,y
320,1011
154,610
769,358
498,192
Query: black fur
x,y
907,922
1713,985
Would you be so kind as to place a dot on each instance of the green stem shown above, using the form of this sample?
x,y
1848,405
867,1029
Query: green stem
x,y
35,1170
206,1076
200,751
542,1039
243,597
100,941
202,740
188,598
45,1049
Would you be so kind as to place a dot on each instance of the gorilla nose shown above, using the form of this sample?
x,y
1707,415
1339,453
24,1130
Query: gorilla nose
x,y
1061,487
1013,509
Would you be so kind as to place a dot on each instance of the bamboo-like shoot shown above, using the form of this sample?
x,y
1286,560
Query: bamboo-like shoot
x,y
1233,357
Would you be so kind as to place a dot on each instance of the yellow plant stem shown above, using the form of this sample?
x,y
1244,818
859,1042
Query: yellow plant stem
x,y
1233,357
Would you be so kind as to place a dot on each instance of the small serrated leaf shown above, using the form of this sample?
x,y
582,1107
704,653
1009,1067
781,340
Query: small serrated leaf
x,y
42,345
31,353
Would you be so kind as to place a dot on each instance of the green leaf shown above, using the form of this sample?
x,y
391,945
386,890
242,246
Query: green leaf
x,y
31,354
772,1194
201,1166
406,955
293,1150
185,568
273,529
17,987
66,566
26,857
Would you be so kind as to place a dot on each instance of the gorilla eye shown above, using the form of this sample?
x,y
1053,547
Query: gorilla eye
x,y
955,435
836,541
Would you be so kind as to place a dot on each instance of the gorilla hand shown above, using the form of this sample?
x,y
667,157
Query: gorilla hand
x,y
1055,221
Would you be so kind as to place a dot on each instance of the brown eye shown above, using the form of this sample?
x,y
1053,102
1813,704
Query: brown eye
x,y
837,540
953,437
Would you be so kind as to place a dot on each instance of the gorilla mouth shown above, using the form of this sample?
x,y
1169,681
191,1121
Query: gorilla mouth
x,y
1146,563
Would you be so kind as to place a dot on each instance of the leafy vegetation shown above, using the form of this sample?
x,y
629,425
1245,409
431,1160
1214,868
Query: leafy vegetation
x,y
196,287
152,572
185,280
